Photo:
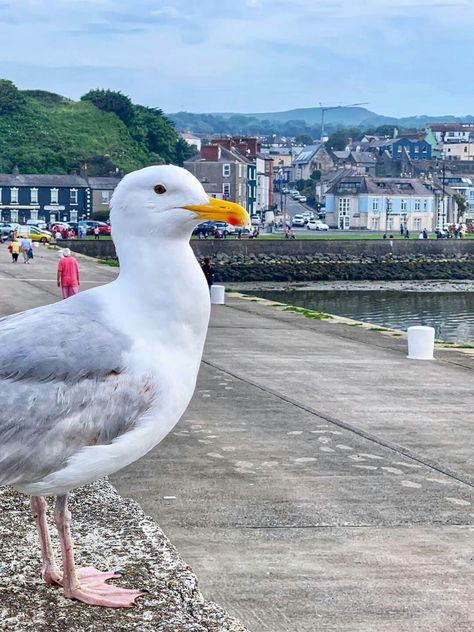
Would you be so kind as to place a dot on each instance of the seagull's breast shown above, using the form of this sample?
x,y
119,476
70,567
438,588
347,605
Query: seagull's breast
x,y
167,330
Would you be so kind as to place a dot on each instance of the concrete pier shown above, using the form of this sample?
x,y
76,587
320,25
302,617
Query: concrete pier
x,y
319,480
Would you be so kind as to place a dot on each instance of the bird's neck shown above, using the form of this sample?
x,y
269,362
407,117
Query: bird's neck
x,y
162,278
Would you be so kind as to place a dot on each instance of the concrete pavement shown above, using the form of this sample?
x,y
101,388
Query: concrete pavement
x,y
319,480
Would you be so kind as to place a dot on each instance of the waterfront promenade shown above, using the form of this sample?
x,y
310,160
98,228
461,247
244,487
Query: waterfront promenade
x,y
319,480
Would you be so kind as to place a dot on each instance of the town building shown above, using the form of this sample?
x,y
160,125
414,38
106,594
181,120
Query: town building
x,y
310,159
363,162
192,140
48,198
363,202
458,151
452,132
101,191
222,172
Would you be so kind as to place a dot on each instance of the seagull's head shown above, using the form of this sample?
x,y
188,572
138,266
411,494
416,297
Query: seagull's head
x,y
167,201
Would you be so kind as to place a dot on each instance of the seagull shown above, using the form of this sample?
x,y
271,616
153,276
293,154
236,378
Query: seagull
x,y
92,383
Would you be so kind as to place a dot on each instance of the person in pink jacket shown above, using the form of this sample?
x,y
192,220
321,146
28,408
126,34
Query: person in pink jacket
x,y
68,274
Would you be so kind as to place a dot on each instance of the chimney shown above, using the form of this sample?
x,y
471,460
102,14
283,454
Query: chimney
x,y
16,171
84,170
211,153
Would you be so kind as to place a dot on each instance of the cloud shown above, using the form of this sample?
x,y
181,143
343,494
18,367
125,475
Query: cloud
x,y
248,55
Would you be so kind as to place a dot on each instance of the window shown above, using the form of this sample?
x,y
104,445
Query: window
x,y
389,223
33,197
54,196
226,171
375,223
344,205
34,215
388,205
417,223
226,189
403,205
14,195
105,196
425,205
375,205
417,205
0,196
73,196
465,150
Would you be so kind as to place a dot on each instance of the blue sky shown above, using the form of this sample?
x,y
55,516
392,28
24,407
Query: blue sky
x,y
403,57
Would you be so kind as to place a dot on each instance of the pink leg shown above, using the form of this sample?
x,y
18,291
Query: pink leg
x,y
50,572
87,584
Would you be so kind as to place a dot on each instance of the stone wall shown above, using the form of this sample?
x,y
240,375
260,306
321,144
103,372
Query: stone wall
x,y
312,260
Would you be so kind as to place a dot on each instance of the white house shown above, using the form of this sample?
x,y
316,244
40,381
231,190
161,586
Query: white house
x,y
380,204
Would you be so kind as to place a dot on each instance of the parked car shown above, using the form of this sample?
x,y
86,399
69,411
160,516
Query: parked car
x,y
316,224
104,229
256,220
7,229
302,198
38,223
204,229
298,220
224,228
35,234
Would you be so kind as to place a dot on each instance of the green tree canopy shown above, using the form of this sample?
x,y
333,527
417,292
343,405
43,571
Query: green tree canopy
x,y
11,99
111,101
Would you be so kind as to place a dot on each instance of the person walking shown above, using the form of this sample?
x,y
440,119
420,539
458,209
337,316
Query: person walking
x,y
14,248
208,271
96,232
68,274
25,245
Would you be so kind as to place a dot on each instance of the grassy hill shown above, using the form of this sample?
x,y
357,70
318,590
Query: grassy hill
x,y
41,132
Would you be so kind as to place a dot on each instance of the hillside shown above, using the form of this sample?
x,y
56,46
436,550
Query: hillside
x,y
41,132
300,121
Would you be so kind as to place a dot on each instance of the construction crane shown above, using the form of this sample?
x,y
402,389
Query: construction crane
x,y
326,108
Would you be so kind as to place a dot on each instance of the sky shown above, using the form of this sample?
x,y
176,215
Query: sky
x,y
401,57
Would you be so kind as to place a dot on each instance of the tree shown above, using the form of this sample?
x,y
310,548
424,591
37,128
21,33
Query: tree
x,y
461,205
111,101
11,99
316,175
304,139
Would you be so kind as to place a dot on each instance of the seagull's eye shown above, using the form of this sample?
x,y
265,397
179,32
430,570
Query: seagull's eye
x,y
160,189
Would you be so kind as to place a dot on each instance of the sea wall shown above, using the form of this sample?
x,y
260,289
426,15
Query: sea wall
x,y
332,259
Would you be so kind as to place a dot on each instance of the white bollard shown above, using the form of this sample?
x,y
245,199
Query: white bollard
x,y
217,294
421,343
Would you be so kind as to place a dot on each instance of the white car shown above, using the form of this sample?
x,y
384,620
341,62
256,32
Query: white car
x,y
255,220
316,224
298,220
302,198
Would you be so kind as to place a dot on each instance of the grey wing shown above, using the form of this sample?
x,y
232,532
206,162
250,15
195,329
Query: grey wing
x,y
63,387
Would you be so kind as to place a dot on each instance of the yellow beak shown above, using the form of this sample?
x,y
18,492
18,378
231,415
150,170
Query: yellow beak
x,y
222,211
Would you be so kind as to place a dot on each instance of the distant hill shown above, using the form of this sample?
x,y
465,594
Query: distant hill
x,y
42,132
300,121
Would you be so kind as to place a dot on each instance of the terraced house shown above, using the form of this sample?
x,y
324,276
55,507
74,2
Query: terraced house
x,y
52,198
380,204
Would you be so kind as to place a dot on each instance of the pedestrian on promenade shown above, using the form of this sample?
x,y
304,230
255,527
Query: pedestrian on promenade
x,y
68,274
25,245
407,233
14,248
425,233
402,230
208,271
96,232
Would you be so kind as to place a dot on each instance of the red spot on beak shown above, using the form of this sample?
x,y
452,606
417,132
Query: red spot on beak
x,y
233,221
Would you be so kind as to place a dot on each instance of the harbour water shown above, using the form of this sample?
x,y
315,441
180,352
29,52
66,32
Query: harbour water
x,y
448,307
